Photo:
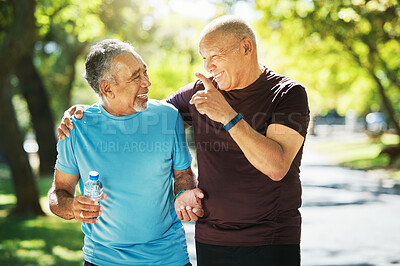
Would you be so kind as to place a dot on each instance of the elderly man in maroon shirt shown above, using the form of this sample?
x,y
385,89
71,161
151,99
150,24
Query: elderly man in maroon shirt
x,y
250,124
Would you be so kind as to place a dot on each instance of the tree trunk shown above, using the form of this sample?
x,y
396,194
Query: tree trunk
x,y
15,43
387,104
23,179
71,52
35,94
388,107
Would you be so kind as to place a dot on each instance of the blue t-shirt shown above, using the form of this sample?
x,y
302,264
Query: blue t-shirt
x,y
135,156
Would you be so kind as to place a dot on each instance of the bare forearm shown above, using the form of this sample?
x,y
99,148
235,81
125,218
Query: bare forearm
x,y
184,179
263,153
61,203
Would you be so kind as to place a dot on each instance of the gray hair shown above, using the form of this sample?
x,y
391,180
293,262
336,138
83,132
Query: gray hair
x,y
230,25
98,62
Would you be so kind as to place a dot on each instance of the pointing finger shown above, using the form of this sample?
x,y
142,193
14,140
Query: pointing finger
x,y
207,83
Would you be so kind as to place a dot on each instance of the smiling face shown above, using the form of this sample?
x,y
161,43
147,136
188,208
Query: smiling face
x,y
223,58
128,94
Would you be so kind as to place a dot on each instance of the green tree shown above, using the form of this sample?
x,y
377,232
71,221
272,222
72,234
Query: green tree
x,y
32,88
63,38
349,44
17,38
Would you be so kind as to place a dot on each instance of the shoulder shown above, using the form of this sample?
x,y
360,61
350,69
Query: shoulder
x,y
93,109
165,113
283,86
162,106
88,114
185,93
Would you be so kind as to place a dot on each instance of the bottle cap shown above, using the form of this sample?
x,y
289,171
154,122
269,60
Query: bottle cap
x,y
93,175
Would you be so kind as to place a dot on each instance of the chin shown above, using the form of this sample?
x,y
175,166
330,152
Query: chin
x,y
223,87
140,106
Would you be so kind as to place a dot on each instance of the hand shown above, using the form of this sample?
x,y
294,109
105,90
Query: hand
x,y
87,210
212,103
66,122
188,205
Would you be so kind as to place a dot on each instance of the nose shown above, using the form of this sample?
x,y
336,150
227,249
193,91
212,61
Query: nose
x,y
145,81
209,65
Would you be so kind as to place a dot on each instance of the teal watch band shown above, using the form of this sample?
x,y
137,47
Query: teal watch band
x,y
233,122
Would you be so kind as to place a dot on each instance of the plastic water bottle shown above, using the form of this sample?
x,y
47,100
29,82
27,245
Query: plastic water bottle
x,y
93,187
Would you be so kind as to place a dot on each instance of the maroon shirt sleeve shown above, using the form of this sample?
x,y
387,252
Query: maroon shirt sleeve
x,y
180,99
292,110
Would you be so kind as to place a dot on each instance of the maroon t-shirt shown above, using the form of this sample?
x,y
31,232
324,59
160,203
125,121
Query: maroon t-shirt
x,y
244,207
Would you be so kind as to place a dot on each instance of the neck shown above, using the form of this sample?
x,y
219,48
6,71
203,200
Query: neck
x,y
113,111
253,72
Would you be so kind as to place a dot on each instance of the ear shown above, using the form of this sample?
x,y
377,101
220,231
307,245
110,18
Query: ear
x,y
247,46
106,90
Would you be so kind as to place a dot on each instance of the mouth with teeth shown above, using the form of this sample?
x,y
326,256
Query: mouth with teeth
x,y
142,96
217,77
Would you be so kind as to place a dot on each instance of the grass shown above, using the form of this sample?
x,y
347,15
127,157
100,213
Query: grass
x,y
360,153
47,240
51,240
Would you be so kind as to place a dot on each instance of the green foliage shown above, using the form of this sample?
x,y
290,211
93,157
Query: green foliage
x,y
71,17
168,44
6,18
64,35
66,29
339,49
361,153
41,241
173,57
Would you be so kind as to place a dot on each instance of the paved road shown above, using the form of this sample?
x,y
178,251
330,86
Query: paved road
x,y
348,217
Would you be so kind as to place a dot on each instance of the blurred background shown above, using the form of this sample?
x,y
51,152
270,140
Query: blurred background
x,y
345,52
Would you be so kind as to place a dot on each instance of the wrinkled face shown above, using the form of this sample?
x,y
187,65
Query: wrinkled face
x,y
132,84
223,60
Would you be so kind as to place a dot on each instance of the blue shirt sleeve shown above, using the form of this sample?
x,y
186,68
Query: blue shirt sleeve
x,y
181,154
66,159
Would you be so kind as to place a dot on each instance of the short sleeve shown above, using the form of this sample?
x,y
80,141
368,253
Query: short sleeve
x,y
66,160
292,110
181,154
180,99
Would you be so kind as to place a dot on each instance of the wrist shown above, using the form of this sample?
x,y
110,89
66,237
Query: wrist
x,y
229,117
233,121
177,194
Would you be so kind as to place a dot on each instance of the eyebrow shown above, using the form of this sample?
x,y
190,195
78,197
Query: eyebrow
x,y
137,71
216,51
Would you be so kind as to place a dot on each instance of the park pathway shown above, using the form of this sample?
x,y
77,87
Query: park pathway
x,y
349,218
